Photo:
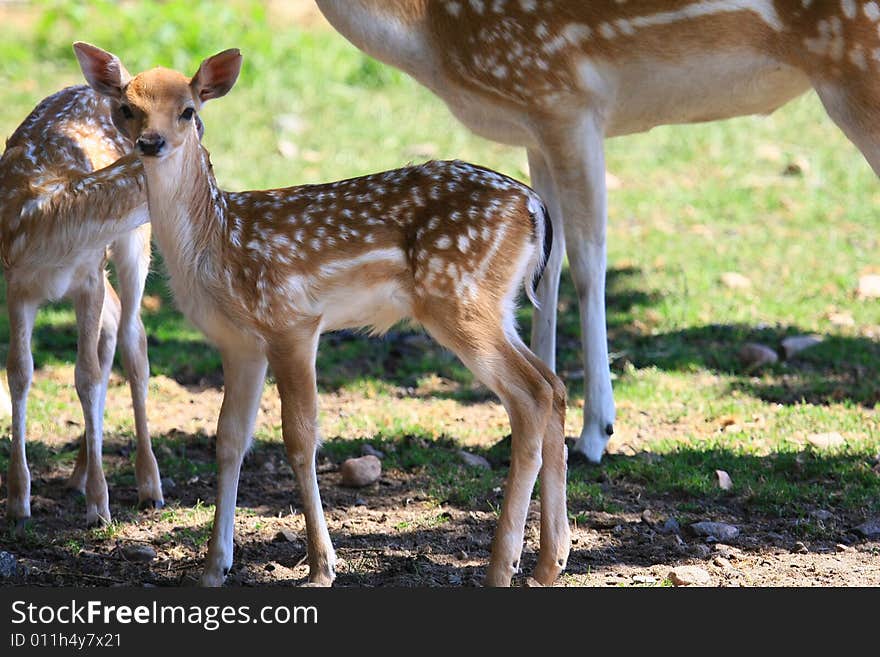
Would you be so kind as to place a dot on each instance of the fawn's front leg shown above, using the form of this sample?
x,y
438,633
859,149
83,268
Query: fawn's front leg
x,y
294,369
244,372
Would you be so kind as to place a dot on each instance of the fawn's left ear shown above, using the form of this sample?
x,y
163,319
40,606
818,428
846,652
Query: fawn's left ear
x,y
102,70
216,75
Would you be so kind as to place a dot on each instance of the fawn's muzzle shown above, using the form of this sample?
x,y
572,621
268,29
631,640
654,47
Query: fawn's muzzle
x,y
150,144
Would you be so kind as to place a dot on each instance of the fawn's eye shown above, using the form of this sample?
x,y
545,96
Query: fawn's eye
x,y
126,111
187,114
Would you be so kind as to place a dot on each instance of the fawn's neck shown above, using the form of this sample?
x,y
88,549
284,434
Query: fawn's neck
x,y
188,214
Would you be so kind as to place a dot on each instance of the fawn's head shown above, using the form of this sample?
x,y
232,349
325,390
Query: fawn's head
x,y
158,109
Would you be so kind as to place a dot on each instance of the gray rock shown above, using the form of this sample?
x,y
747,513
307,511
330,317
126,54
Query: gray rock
x,y
671,526
8,565
755,355
168,483
286,536
139,552
644,579
360,472
724,480
793,345
701,550
869,529
822,515
690,576
718,530
474,460
800,548
368,450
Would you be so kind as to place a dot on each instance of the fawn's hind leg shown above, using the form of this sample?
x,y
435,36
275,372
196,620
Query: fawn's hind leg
x,y
528,399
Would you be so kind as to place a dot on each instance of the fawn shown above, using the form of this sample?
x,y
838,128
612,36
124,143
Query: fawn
x,y
59,211
264,273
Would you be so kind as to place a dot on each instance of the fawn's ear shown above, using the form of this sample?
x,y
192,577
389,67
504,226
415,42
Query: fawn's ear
x,y
102,70
216,75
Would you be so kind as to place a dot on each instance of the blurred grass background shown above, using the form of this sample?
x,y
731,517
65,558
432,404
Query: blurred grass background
x,y
784,200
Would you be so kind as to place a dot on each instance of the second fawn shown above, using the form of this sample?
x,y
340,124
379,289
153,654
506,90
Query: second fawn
x,y
264,273
59,212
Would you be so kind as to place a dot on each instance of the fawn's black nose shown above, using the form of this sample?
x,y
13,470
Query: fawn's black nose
x,y
150,143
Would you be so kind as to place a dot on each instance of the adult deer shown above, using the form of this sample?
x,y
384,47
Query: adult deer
x,y
59,211
559,76
264,273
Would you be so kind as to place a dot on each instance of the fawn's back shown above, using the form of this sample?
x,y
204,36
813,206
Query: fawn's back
x,y
67,135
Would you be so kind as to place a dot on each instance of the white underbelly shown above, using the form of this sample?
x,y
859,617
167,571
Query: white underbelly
x,y
705,88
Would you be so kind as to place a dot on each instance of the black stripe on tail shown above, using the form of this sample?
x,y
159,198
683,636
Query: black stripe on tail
x,y
548,243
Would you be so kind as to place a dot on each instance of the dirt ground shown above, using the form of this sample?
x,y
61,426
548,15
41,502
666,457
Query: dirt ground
x,y
391,533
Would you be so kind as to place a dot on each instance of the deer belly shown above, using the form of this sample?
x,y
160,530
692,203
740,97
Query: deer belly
x,y
377,307
705,88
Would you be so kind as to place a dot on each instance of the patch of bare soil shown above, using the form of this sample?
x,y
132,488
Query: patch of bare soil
x,y
391,533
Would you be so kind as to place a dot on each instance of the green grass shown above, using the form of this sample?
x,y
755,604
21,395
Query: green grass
x,y
692,202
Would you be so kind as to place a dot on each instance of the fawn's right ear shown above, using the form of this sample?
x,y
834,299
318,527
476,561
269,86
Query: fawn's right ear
x,y
102,70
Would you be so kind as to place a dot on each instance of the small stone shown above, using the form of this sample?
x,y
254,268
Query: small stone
x,y
671,526
822,515
825,440
461,555
701,551
795,344
722,563
361,471
368,450
8,565
644,579
869,287
360,501
474,460
724,480
800,548
286,536
138,552
718,530
840,547
735,280
603,520
869,529
167,483
842,319
727,551
689,576
754,355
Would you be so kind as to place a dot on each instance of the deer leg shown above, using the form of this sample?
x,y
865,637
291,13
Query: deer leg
x,y
91,387
244,372
106,349
528,399
544,317
577,161
294,370
555,532
19,372
131,255
853,108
